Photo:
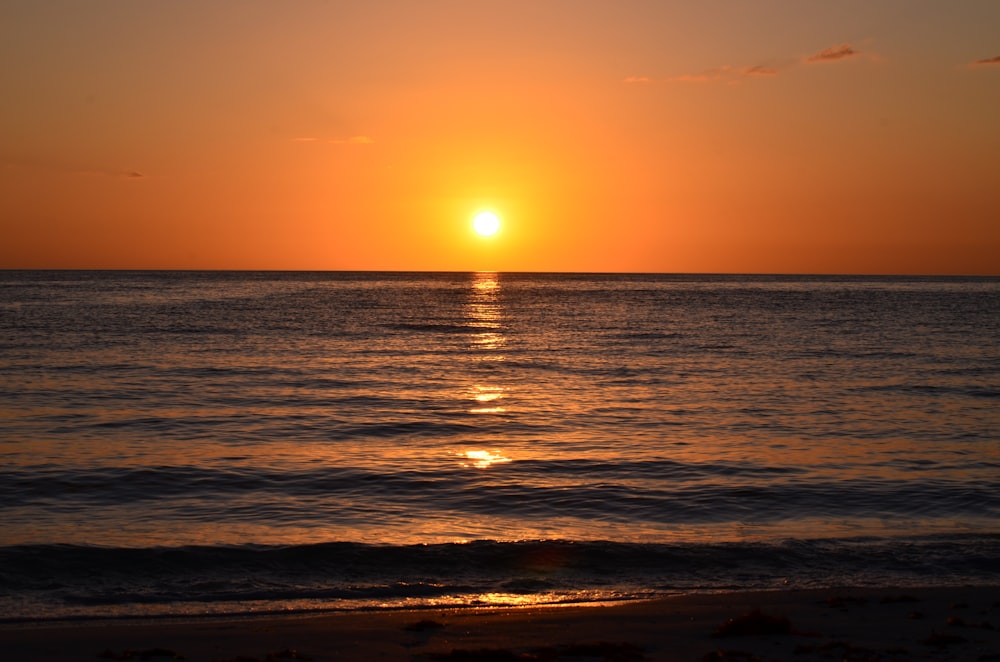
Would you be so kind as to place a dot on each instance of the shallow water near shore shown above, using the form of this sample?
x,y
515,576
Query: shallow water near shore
x,y
180,442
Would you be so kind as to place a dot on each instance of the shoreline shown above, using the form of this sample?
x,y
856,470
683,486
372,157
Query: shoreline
x,y
933,623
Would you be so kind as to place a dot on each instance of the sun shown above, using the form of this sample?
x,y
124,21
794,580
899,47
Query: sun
x,y
486,224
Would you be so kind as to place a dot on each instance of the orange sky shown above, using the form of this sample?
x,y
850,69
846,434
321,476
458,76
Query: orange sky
x,y
715,136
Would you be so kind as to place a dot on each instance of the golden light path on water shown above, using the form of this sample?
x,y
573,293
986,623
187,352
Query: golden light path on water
x,y
573,598
484,313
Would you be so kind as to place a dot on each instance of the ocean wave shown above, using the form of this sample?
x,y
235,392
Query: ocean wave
x,y
63,577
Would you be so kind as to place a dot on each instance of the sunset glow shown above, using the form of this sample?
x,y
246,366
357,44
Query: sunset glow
x,y
849,137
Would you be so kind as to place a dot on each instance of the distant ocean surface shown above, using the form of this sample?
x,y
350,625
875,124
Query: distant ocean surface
x,y
187,443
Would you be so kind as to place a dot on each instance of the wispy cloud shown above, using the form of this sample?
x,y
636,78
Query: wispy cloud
x,y
305,140
834,53
118,174
726,74
985,62
778,65
75,169
760,70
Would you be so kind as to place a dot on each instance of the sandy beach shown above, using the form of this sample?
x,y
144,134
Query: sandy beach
x,y
828,624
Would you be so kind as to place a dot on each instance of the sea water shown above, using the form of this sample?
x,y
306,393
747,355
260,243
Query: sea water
x,y
226,442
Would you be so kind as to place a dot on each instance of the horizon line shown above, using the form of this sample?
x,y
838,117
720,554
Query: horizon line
x,y
816,274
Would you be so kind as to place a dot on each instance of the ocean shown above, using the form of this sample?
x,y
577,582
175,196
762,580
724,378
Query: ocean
x,y
203,443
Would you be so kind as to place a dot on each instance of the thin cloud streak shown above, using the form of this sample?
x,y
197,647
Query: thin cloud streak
x,y
729,74
833,54
119,174
986,62
760,70
72,169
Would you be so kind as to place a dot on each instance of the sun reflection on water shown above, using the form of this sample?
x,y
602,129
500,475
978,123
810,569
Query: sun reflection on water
x,y
484,314
483,459
550,599
487,399
510,599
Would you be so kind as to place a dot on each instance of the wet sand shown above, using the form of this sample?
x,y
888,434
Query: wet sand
x,y
961,624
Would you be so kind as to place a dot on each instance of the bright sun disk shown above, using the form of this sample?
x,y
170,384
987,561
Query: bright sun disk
x,y
486,223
